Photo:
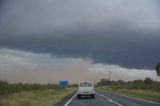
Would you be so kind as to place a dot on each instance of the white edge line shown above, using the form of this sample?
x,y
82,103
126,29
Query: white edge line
x,y
70,99
135,98
110,99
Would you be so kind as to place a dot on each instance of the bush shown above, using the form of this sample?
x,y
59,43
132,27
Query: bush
x,y
6,88
148,81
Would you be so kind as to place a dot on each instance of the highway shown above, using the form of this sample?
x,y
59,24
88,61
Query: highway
x,y
104,98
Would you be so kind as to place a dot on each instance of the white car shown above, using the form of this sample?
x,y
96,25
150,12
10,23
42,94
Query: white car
x,y
85,89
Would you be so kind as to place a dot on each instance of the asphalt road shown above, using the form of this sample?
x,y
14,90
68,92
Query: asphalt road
x,y
104,98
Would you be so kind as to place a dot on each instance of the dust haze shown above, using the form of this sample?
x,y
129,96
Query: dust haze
x,y
75,72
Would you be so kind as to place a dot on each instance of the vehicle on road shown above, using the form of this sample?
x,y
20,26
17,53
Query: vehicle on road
x,y
85,89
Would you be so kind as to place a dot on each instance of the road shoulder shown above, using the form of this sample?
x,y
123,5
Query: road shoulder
x,y
65,99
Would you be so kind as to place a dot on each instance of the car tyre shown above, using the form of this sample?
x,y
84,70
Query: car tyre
x,y
78,96
93,96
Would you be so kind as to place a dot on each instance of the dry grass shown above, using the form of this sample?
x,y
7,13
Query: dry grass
x,y
144,94
35,98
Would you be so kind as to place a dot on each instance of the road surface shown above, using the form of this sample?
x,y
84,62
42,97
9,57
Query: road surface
x,y
104,98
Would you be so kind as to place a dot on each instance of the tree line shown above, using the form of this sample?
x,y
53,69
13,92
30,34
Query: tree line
x,y
146,84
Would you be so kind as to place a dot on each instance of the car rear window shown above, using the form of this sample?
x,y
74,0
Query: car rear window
x,y
85,84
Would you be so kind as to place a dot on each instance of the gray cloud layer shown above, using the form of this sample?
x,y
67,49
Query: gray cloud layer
x,y
113,32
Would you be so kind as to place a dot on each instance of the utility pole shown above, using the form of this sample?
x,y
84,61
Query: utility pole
x,y
109,74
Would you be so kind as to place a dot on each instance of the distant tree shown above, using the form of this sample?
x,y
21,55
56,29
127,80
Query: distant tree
x,y
138,82
148,81
104,82
120,82
158,68
129,82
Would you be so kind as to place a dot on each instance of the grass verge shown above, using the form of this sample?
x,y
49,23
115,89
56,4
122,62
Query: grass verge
x,y
143,94
47,97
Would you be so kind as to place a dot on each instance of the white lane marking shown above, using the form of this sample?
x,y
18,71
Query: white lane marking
x,y
134,98
70,100
110,100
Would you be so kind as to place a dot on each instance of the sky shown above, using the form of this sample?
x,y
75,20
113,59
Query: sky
x,y
46,41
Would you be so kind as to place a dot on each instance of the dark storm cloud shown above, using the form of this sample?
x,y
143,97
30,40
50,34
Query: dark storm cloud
x,y
111,32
